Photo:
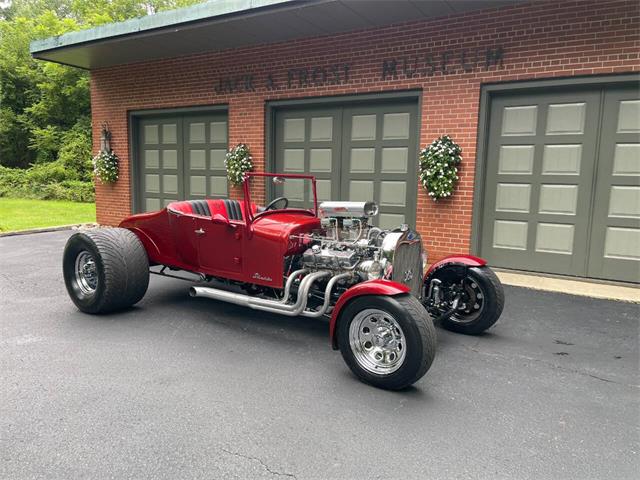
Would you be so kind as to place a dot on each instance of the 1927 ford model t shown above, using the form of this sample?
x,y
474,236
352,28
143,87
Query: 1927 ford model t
x,y
327,261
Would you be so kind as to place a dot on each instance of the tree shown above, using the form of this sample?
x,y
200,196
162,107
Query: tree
x,y
41,102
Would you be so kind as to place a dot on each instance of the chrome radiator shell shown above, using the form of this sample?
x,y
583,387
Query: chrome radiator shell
x,y
407,261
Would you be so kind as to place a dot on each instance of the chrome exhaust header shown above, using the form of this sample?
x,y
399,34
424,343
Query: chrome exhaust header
x,y
266,305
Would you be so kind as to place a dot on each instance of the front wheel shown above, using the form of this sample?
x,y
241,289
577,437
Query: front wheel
x,y
480,304
388,342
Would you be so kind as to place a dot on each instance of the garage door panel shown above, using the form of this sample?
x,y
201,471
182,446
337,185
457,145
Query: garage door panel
x,y
566,118
622,244
362,160
562,192
516,159
158,166
170,159
628,116
615,237
396,126
562,159
321,129
151,135
170,133
519,120
391,220
152,159
395,160
377,145
205,147
181,157
555,238
539,172
513,197
294,129
320,160
558,199
357,153
626,159
307,141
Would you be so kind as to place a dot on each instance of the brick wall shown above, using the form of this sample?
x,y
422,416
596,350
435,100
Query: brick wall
x,y
540,40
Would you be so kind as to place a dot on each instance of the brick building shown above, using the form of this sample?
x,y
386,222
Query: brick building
x,y
542,97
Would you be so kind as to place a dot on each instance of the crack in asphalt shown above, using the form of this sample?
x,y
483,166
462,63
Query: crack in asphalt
x,y
256,459
551,364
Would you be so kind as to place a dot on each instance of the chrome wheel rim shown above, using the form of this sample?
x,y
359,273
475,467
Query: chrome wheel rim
x,y
86,273
471,308
377,341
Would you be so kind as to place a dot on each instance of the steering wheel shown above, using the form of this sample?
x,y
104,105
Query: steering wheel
x,y
272,204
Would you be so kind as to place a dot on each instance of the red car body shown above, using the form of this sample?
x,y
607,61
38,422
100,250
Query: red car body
x,y
292,262
252,248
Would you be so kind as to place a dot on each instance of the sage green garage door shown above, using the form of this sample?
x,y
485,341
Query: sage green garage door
x,y
357,153
179,158
562,192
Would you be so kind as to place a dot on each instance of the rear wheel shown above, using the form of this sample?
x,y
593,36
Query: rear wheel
x,y
105,270
388,342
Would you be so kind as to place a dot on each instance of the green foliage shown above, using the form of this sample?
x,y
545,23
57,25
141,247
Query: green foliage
x,y
238,161
45,107
75,151
47,181
438,167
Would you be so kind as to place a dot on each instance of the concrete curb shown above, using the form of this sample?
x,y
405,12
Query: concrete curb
x,y
572,287
74,226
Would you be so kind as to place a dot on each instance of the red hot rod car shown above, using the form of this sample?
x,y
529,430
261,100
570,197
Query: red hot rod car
x,y
326,261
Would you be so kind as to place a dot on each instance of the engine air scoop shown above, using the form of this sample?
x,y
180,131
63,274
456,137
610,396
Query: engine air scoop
x,y
349,209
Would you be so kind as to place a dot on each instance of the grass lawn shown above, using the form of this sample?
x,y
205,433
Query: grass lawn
x,y
23,214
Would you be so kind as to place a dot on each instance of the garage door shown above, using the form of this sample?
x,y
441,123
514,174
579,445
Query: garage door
x,y
179,158
562,192
357,153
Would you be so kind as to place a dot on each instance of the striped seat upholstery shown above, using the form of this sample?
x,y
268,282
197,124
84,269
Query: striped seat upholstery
x,y
232,209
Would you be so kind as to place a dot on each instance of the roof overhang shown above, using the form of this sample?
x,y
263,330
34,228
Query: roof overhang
x,y
224,24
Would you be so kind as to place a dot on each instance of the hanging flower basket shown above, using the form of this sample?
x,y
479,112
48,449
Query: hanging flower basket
x,y
238,161
438,167
105,167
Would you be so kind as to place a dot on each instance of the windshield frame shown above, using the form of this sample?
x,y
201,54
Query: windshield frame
x,y
247,190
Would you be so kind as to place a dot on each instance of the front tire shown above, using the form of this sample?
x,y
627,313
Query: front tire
x,y
387,342
483,303
105,270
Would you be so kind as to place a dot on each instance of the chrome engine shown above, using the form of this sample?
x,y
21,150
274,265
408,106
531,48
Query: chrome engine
x,y
347,243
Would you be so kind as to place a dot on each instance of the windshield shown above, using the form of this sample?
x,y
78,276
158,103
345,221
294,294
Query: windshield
x,y
283,191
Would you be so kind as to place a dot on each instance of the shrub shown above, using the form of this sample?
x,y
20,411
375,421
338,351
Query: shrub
x,y
75,151
72,190
51,172
46,182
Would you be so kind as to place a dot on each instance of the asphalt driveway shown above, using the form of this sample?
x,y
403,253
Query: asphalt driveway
x,y
179,387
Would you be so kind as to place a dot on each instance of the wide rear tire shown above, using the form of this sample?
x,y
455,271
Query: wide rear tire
x,y
387,342
105,269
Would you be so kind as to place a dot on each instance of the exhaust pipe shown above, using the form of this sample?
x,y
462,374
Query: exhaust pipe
x,y
327,296
273,306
